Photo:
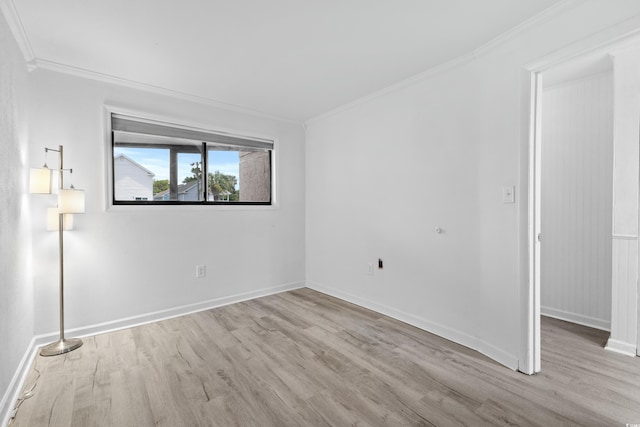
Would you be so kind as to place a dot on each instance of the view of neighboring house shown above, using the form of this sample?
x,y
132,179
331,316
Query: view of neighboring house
x,y
132,181
186,193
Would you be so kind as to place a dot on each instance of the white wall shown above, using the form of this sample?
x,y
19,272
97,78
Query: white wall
x,y
130,262
382,174
16,284
577,185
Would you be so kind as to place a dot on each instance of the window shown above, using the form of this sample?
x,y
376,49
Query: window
x,y
161,163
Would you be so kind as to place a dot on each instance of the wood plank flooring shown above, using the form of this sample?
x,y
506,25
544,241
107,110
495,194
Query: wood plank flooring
x,y
302,358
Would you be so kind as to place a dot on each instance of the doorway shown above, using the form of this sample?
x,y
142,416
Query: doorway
x,y
592,90
576,165
577,192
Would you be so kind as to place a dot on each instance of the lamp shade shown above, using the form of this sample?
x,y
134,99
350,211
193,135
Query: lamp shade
x,y
53,220
71,201
40,181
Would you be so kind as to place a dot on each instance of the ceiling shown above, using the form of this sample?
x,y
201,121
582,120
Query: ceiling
x,y
293,59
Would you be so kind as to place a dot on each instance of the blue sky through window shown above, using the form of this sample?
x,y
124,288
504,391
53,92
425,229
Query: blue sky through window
x,y
157,161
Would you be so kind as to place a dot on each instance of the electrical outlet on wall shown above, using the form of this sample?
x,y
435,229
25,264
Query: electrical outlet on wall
x,y
509,194
201,271
370,269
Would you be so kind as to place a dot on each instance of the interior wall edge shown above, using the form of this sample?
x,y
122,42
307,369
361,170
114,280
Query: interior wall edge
x,y
508,360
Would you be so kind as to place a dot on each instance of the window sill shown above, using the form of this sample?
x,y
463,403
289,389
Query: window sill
x,y
147,209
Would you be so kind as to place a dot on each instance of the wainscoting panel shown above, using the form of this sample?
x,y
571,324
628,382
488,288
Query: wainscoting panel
x,y
625,293
577,180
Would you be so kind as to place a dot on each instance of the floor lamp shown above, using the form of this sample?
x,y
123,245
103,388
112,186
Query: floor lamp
x,y
70,201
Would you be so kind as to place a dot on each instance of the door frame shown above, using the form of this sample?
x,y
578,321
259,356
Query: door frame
x,y
535,231
532,74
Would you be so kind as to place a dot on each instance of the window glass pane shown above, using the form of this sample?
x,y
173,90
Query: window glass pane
x,y
223,175
143,174
190,177
239,175
255,176
139,174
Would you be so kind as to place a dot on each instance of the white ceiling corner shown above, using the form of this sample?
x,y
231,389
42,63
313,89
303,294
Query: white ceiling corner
x,y
8,9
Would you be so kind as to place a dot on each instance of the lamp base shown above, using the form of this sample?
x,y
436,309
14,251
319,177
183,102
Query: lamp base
x,y
60,347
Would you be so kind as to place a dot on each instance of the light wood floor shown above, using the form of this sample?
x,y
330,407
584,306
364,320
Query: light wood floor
x,y
302,358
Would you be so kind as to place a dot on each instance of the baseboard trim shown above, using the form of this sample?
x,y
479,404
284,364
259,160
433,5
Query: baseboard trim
x,y
17,382
591,322
156,316
454,335
621,347
12,393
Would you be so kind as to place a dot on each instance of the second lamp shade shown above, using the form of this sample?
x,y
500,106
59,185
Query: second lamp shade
x,y
71,201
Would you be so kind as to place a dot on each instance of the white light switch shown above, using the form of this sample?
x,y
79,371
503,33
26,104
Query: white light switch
x,y
508,194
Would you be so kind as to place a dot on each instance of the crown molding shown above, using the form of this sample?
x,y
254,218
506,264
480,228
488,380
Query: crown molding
x,y
431,72
609,41
503,38
632,45
512,33
8,9
110,79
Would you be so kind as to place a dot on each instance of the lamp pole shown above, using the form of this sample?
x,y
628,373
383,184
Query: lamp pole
x,y
62,345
